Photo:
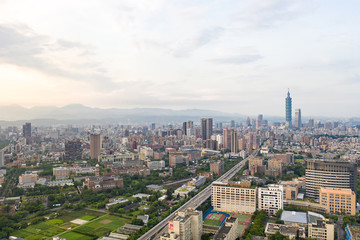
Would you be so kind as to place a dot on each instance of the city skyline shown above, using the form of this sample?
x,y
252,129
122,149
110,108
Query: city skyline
x,y
239,57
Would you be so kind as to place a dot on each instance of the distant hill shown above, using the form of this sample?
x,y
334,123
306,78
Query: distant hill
x,y
77,113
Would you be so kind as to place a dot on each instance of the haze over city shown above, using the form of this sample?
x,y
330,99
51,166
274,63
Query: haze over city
x,y
232,56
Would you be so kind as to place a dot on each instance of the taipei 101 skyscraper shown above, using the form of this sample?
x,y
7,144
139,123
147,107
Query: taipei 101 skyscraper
x,y
288,107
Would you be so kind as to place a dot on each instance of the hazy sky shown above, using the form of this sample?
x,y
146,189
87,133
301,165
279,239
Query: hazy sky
x,y
233,56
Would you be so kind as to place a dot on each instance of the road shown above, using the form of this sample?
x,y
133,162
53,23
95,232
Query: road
x,y
196,201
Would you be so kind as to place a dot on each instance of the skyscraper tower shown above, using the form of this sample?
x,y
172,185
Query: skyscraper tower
x,y
298,118
95,143
27,132
288,107
206,128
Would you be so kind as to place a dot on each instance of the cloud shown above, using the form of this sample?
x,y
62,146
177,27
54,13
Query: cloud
x,y
270,13
21,46
186,47
243,59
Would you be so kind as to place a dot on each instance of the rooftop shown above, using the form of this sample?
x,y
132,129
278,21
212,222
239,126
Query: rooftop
x,y
292,216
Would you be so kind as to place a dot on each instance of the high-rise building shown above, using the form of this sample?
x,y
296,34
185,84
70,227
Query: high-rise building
x,y
234,142
95,143
73,150
27,132
328,173
298,118
234,197
187,225
227,138
271,198
259,121
288,107
232,124
153,126
248,122
2,162
187,127
206,128
311,123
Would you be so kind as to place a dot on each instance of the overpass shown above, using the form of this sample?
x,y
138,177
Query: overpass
x,y
195,201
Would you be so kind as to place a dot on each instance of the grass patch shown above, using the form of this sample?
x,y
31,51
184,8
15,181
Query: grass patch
x,y
71,215
44,230
87,217
211,222
103,225
76,236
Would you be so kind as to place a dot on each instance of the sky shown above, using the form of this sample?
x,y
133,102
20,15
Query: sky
x,y
232,56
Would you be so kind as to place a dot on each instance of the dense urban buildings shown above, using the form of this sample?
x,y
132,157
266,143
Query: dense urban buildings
x,y
73,150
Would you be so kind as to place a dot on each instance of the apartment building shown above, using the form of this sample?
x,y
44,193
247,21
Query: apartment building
x,y
230,196
270,198
217,167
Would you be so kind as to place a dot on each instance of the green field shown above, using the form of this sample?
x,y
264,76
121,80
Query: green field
x,y
76,236
87,217
71,215
211,222
44,230
100,226
53,227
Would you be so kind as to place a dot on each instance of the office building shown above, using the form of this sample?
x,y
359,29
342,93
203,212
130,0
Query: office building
x,y
338,201
153,126
259,121
288,110
270,198
234,142
2,160
27,132
206,128
187,225
230,196
328,173
227,139
311,123
95,143
232,124
298,118
321,230
187,127
73,150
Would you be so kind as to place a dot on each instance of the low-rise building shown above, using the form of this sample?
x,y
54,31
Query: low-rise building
x,y
155,164
61,172
184,191
197,182
217,168
322,230
28,179
103,182
289,230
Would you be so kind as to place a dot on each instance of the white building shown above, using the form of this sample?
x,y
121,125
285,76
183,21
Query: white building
x,y
270,198
198,181
146,152
155,164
